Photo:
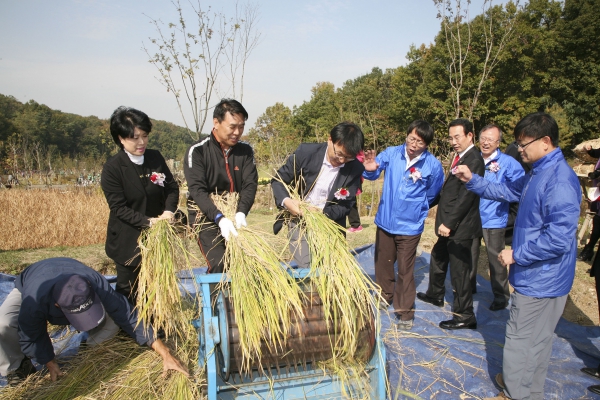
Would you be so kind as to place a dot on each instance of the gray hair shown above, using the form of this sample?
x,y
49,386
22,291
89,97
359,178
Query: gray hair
x,y
490,126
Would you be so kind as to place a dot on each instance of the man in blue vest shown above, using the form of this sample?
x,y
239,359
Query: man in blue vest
x,y
499,167
413,180
542,258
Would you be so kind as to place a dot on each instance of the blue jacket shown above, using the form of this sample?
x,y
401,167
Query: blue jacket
x,y
404,202
36,283
494,214
544,243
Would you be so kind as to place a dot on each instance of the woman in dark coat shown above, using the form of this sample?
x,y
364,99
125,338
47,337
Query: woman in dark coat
x,y
139,189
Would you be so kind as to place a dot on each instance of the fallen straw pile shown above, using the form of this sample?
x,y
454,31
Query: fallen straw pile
x,y
119,369
159,301
265,298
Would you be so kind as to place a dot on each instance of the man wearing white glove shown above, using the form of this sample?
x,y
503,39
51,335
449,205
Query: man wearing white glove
x,y
220,164
240,220
227,228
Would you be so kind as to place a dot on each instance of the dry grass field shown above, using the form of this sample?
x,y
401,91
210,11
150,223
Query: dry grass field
x,y
39,224
38,218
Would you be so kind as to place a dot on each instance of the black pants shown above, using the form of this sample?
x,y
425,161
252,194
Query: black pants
x,y
458,254
595,235
212,246
354,216
127,280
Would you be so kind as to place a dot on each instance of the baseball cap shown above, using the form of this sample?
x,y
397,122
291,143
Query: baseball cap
x,y
79,302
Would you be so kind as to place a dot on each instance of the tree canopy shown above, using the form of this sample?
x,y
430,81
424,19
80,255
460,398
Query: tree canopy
x,y
33,136
518,59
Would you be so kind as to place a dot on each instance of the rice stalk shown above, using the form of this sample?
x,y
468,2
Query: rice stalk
x,y
348,295
266,300
120,369
159,300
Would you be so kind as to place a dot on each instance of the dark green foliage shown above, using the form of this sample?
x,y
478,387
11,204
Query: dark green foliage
x,y
550,62
34,137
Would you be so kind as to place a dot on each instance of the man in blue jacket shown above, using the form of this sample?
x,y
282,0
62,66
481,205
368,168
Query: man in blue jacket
x,y
542,258
63,291
499,167
413,179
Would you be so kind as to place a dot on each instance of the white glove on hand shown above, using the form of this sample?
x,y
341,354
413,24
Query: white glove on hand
x,y
227,228
240,220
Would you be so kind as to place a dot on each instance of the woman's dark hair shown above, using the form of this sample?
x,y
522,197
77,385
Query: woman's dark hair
x,y
123,122
423,130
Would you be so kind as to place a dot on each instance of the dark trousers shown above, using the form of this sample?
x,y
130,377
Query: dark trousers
x,y
594,236
354,216
494,241
127,281
475,246
399,290
458,254
508,231
212,246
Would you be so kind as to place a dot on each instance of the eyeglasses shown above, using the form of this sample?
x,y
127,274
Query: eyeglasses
x,y
341,157
414,140
486,140
522,146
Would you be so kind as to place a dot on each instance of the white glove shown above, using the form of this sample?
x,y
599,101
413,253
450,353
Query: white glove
x,y
240,220
227,228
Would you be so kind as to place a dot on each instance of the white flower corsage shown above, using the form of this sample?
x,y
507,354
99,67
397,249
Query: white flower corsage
x,y
342,194
494,166
415,174
158,178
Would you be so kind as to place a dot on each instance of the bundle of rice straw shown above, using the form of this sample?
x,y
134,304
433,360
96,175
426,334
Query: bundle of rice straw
x,y
118,369
159,301
349,296
266,299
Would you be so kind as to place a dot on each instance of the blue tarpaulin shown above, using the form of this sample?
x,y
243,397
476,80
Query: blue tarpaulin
x,y
432,363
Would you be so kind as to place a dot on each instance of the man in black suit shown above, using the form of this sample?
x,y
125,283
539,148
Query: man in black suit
x,y
326,175
457,223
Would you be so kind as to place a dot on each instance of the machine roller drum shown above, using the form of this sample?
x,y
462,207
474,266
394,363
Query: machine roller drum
x,y
309,342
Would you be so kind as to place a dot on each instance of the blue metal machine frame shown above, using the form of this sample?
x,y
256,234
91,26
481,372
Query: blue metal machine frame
x,y
292,384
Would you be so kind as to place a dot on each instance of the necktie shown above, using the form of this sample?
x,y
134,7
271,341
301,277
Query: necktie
x,y
455,161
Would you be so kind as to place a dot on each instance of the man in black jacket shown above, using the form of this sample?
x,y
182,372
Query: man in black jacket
x,y
63,291
457,223
326,175
220,164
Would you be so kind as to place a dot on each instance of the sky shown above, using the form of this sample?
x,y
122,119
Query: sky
x,y
86,57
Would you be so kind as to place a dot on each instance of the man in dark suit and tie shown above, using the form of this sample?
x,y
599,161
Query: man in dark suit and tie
x,y
326,175
457,223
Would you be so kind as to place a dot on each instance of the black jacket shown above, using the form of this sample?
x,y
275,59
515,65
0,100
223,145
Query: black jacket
x,y
128,195
300,172
458,209
207,171
36,283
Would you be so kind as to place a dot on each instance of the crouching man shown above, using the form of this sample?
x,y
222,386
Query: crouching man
x,y
63,291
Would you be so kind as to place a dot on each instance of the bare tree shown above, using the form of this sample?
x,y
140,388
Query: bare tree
x,y
242,45
190,60
458,31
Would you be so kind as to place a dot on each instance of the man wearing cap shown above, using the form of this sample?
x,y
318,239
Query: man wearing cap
x,y
63,291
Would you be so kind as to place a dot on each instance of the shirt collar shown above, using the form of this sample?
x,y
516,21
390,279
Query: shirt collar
x,y
491,157
462,153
